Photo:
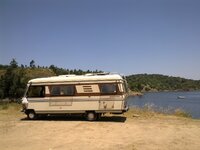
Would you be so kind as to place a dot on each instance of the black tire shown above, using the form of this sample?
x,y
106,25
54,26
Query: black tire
x,y
99,116
91,116
31,115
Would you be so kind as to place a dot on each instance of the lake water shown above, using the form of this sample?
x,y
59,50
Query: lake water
x,y
169,101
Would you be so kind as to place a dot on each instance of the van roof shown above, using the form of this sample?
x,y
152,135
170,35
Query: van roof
x,y
78,78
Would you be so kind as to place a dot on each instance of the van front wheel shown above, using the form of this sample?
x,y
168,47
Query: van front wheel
x,y
31,115
91,116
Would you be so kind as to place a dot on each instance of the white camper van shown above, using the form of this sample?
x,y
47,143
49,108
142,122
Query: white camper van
x,y
90,94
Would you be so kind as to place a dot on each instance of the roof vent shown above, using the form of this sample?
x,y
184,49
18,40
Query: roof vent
x,y
68,75
103,73
89,74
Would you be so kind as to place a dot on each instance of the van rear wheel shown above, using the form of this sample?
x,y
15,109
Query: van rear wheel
x,y
31,115
91,116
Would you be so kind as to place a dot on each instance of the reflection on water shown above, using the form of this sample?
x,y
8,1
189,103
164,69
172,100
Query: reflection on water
x,y
169,101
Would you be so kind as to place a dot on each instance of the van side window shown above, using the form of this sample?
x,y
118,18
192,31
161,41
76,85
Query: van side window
x,y
108,88
62,90
36,91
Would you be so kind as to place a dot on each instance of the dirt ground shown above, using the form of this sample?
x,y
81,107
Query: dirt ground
x,y
110,133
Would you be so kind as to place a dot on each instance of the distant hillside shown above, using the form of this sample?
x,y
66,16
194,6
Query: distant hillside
x,y
156,82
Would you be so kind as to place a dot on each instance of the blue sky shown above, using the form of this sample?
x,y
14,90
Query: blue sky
x,y
124,36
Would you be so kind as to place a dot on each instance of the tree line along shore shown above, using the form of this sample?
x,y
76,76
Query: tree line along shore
x,y
14,77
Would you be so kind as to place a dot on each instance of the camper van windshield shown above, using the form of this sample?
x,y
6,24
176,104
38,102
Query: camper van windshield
x,y
36,91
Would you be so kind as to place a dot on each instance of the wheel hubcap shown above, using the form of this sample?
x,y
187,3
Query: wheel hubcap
x,y
31,115
90,116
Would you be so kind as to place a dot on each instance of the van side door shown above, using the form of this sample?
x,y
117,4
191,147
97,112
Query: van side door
x,y
61,95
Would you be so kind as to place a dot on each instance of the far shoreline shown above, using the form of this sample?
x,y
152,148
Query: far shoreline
x,y
136,93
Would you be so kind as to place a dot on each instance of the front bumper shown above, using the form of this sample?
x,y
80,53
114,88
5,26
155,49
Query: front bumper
x,y
24,107
125,109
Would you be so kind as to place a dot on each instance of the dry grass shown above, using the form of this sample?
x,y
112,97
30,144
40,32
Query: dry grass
x,y
9,108
181,113
141,112
149,112
39,72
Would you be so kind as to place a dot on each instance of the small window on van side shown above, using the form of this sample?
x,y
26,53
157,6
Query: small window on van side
x,y
108,88
36,91
62,90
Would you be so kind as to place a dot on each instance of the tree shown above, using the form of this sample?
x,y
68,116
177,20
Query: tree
x,y
13,63
13,82
1,87
32,64
22,66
